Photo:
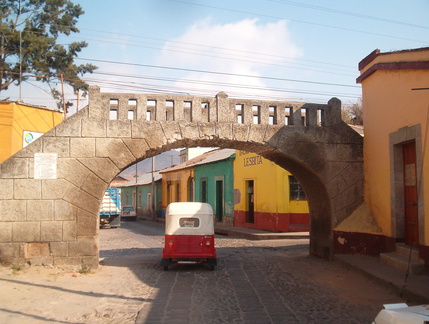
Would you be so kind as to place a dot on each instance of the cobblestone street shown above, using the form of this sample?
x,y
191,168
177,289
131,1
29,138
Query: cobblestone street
x,y
272,281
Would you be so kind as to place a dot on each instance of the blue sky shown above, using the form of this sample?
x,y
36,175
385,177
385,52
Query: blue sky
x,y
269,49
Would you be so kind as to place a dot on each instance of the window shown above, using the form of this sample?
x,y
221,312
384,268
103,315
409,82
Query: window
x,y
130,114
296,190
113,115
189,222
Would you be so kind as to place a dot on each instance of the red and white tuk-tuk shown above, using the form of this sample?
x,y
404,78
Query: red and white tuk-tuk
x,y
189,234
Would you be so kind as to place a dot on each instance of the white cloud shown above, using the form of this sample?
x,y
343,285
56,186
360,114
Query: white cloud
x,y
247,47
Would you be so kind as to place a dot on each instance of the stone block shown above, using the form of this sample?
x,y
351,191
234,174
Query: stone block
x,y
38,210
27,189
240,132
82,199
51,231
26,232
189,130
41,261
15,168
224,131
67,261
72,170
91,261
59,249
257,133
116,150
118,128
102,167
172,131
137,147
82,147
29,150
54,189
12,210
69,231
94,185
71,127
33,250
151,131
87,223
207,130
85,246
6,232
9,250
94,128
6,188
64,211
59,145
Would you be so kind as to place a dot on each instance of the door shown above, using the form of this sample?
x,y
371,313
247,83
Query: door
x,y
219,200
250,204
410,195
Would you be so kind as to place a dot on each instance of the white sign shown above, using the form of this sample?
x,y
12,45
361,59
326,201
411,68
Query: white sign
x,y
28,137
45,165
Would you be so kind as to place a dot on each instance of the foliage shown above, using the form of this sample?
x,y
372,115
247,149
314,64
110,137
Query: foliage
x,y
29,44
353,113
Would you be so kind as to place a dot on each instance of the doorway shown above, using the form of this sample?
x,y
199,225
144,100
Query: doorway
x,y
219,201
410,194
250,202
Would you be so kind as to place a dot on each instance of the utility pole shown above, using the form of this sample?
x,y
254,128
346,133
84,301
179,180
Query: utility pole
x,y
153,190
64,103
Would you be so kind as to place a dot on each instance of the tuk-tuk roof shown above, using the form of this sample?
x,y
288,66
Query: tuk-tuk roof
x,y
177,210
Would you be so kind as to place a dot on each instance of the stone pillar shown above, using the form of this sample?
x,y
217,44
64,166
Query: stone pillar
x,y
96,105
333,112
224,114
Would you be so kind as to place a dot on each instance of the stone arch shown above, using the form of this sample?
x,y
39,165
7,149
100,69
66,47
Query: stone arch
x,y
55,221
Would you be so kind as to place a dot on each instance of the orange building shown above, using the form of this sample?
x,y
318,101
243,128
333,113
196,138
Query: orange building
x,y
21,123
395,98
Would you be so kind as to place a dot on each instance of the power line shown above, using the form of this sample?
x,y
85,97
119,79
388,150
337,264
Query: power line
x,y
219,73
296,20
348,13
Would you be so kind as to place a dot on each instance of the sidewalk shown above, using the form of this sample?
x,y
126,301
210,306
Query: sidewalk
x,y
414,288
252,234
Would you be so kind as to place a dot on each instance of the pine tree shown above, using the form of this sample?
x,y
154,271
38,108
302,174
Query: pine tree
x,y
29,34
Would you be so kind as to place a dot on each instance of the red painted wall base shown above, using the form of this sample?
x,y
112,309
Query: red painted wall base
x,y
274,222
370,244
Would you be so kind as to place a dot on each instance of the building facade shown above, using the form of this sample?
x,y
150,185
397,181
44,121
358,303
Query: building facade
x,y
139,194
214,184
395,97
267,197
21,123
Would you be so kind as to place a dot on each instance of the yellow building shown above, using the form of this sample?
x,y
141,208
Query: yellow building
x,y
22,123
267,197
395,98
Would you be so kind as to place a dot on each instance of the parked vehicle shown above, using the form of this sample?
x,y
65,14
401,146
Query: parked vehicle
x,y
401,313
189,235
110,208
128,213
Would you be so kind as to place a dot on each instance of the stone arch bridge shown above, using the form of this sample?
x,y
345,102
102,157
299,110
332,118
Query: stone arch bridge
x,y
50,191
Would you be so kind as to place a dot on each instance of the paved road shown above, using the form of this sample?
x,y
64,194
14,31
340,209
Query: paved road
x,y
273,281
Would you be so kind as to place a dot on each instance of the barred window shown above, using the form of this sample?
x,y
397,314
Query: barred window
x,y
296,190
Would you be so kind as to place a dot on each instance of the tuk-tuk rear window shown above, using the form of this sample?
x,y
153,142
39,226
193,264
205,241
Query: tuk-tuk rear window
x,y
189,222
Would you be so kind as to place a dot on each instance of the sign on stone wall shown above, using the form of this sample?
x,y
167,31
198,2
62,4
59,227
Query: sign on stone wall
x,y
45,165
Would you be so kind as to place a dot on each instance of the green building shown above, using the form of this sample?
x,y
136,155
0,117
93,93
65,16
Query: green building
x,y
138,193
214,184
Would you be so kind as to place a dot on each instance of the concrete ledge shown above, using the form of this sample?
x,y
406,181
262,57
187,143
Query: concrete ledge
x,y
251,234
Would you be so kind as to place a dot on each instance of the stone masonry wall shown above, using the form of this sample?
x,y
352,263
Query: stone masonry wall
x,y
55,220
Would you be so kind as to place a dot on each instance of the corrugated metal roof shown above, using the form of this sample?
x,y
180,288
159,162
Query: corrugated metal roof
x,y
142,180
208,157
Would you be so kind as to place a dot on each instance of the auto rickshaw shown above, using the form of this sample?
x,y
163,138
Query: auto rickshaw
x,y
189,235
